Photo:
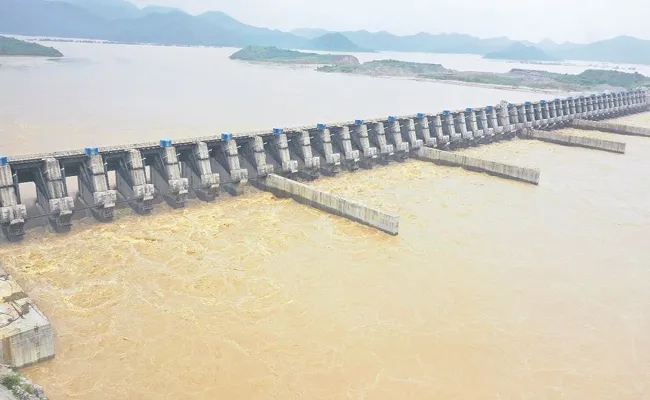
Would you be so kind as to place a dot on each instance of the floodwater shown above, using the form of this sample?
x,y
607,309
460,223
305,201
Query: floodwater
x,y
105,94
493,290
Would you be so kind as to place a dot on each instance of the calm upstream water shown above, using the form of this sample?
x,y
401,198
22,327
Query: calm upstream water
x,y
493,289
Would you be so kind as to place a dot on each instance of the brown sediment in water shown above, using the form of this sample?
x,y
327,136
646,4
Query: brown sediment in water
x,y
493,288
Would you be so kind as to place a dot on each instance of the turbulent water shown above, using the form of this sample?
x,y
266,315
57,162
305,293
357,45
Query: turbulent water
x,y
493,290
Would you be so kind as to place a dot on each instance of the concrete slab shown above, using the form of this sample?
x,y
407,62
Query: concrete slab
x,y
611,127
284,187
523,174
577,141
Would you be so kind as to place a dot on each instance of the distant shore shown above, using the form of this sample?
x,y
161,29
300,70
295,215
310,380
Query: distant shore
x,y
11,47
271,54
591,79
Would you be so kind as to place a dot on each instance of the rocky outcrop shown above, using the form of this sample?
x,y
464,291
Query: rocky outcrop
x,y
344,60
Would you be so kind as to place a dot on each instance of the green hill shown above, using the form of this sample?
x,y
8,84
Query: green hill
x,y
621,49
520,52
334,42
14,47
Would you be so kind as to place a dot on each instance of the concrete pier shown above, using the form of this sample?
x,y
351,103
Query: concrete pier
x,y
203,167
226,160
443,139
360,138
25,333
611,127
132,182
507,129
537,109
590,106
12,213
94,190
394,136
460,121
343,142
52,195
278,148
514,122
309,166
487,133
424,132
284,187
528,175
255,154
322,143
577,141
409,134
198,171
166,176
493,122
471,122
378,139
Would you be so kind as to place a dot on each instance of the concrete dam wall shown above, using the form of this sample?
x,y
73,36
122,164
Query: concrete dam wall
x,y
203,167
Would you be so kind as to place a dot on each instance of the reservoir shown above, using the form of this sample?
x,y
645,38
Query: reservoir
x,y
493,289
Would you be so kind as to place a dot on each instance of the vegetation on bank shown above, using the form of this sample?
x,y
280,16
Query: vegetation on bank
x,y
595,77
20,387
14,47
589,79
276,55
387,67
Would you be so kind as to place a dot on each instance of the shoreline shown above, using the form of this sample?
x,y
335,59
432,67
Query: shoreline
x,y
411,78
463,83
29,56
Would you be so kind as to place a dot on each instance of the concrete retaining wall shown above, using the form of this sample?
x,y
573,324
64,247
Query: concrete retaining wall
x,y
283,187
529,175
25,333
578,141
611,127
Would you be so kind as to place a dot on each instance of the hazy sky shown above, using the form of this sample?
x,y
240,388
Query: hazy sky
x,y
560,20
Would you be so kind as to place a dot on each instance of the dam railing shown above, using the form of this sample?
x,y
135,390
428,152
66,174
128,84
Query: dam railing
x,y
204,166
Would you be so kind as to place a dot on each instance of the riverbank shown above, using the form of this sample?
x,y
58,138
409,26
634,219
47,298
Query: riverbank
x,y
591,79
518,79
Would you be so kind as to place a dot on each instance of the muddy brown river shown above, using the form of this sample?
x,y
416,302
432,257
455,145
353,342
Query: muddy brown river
x,y
493,289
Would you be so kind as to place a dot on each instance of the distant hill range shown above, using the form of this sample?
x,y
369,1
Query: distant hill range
x,y
335,42
621,49
521,52
122,21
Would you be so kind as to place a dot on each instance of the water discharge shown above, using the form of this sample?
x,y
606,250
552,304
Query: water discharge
x,y
494,289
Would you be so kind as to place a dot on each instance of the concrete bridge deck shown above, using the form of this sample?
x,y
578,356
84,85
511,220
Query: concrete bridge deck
x,y
203,166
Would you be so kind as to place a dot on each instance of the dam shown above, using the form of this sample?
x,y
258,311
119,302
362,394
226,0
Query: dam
x,y
202,167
